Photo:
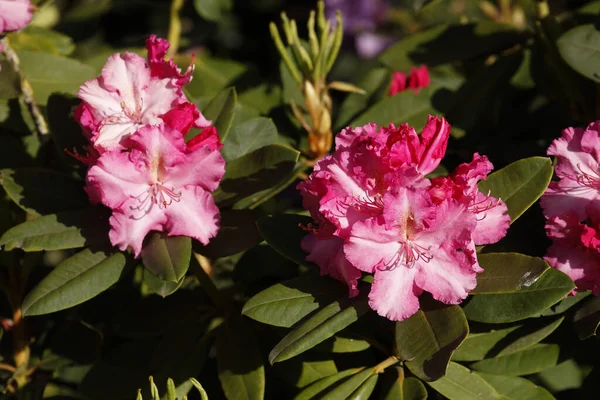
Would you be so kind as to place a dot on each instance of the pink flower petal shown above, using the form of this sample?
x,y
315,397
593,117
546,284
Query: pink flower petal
x,y
129,231
14,14
394,294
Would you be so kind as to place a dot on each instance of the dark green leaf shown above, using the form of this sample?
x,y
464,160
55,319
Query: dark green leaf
x,y
587,318
514,388
48,73
529,361
284,233
477,345
342,344
239,361
249,136
565,304
396,386
564,376
64,230
286,303
167,257
237,233
449,43
364,391
220,111
349,386
304,370
507,272
319,327
580,48
159,286
42,191
212,10
75,280
519,184
212,75
462,384
322,385
429,337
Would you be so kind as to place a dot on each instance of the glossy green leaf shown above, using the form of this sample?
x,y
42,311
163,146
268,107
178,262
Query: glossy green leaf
x,y
286,303
49,73
529,361
519,184
240,365
364,391
449,43
350,385
354,103
460,383
43,191
514,388
305,370
525,302
161,287
249,136
564,376
322,385
478,345
507,272
74,281
64,230
284,232
428,338
565,304
324,324
404,107
342,344
396,386
221,110
587,318
167,257
580,48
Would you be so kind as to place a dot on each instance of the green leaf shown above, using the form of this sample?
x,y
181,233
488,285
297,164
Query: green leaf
x,y
48,73
342,344
35,38
514,388
519,184
319,327
167,257
322,385
529,361
212,10
159,286
350,387
212,75
429,337
587,318
354,103
564,376
239,361
74,281
527,301
43,191
504,341
64,230
249,136
220,111
404,107
304,370
450,43
507,272
565,304
284,233
396,386
237,232
462,384
286,303
256,171
580,48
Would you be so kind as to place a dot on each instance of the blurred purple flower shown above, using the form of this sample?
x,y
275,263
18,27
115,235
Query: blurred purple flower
x,y
361,19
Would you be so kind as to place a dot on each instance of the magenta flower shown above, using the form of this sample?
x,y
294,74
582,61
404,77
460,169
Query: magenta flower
x,y
578,155
158,184
417,79
14,14
130,94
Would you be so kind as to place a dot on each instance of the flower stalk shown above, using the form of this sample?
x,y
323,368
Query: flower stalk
x,y
309,62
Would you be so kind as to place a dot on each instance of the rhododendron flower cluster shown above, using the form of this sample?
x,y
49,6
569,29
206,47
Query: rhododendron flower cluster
x,y
136,116
377,212
417,79
14,14
572,207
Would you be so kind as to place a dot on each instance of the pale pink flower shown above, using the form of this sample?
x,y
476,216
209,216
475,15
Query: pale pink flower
x,y
415,246
575,250
578,157
14,14
158,184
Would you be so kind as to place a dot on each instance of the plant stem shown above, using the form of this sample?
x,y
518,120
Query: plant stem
x,y
26,89
388,362
174,28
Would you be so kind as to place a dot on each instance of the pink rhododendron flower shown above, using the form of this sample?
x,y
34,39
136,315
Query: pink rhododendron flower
x,y
575,250
130,94
14,14
371,199
578,157
157,51
158,184
418,78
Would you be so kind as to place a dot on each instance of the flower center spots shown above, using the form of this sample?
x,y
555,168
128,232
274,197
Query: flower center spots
x,y
588,180
156,194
